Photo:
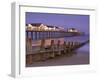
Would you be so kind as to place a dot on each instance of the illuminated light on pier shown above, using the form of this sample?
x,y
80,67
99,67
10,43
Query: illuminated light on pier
x,y
72,30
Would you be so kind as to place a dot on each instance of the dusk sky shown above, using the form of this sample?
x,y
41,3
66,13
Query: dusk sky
x,y
80,22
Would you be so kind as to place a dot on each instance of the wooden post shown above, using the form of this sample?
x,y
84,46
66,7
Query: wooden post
x,y
26,34
29,59
29,51
48,34
65,48
69,44
42,44
35,35
58,48
29,44
31,35
52,48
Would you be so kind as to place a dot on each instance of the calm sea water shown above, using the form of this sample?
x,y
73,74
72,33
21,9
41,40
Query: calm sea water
x,y
80,39
77,38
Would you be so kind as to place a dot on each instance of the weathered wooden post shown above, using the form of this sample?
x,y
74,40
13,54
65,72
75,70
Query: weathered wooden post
x,y
64,48
31,35
29,58
52,55
76,44
28,45
71,46
42,45
42,48
59,48
68,46
44,55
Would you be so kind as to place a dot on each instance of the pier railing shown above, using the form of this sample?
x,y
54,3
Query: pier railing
x,y
36,35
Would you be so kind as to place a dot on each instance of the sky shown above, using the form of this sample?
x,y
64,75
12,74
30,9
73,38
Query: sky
x,y
80,22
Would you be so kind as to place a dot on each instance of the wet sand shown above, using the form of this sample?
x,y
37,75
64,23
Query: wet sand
x,y
76,59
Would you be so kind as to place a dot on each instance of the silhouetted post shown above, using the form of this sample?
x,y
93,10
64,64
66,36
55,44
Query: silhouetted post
x,y
29,59
69,47
42,46
52,48
26,34
73,46
35,35
29,45
49,34
31,35
29,51
58,48
39,35
64,47
76,44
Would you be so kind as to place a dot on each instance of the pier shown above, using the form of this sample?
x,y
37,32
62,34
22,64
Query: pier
x,y
37,34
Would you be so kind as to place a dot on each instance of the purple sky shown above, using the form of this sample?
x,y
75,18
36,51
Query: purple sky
x,y
80,22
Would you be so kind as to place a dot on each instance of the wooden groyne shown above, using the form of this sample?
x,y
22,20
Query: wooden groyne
x,y
46,52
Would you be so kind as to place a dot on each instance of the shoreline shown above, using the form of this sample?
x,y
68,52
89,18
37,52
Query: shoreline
x,y
80,58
